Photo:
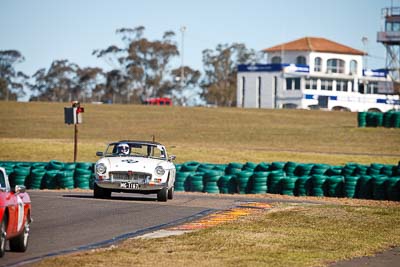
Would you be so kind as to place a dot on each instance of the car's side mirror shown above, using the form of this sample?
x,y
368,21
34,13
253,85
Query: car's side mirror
x,y
99,154
19,189
172,157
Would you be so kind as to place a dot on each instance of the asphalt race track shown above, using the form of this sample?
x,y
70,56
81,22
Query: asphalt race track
x,y
69,221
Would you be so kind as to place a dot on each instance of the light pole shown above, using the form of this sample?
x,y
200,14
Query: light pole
x,y
183,29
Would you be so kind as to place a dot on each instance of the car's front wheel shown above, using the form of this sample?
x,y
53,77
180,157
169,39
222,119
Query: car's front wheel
x,y
162,195
99,192
3,237
20,243
171,193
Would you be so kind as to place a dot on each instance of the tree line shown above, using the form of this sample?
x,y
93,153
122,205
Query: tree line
x,y
140,68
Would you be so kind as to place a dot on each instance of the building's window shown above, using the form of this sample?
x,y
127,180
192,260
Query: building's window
x,y
243,89
323,84
329,85
311,84
300,60
259,92
353,67
372,88
318,64
341,85
392,26
335,65
276,60
292,83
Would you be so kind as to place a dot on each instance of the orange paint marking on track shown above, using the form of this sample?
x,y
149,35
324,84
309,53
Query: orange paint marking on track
x,y
215,219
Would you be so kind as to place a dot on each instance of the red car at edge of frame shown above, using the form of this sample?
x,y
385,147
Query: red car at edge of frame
x,y
15,215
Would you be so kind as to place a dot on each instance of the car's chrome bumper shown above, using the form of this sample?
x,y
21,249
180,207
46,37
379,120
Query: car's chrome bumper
x,y
116,186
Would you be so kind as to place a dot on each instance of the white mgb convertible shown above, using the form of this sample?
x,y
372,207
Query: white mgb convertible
x,y
137,167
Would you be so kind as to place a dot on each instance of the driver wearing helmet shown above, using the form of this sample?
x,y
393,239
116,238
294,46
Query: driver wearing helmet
x,y
123,149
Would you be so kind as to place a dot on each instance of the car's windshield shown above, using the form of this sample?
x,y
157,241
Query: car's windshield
x,y
135,149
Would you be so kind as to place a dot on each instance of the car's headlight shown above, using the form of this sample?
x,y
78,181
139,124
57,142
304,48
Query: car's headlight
x,y
160,170
101,168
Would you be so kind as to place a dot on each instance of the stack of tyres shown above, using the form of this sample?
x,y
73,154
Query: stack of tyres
x,y
211,178
262,167
249,166
50,179
349,169
374,119
303,169
319,169
387,119
361,170
303,186
375,169
290,168
274,179
180,180
82,178
234,168
20,174
335,186
393,188
65,179
224,184
36,178
242,181
350,185
364,187
334,171
196,182
362,119
388,170
396,120
318,184
55,165
258,182
190,166
379,187
277,166
287,185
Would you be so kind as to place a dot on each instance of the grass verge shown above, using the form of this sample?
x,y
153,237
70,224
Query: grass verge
x,y
290,235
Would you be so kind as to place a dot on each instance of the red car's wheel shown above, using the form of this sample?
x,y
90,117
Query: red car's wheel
x,y
20,243
3,237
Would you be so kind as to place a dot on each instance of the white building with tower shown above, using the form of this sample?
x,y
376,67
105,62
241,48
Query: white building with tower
x,y
315,73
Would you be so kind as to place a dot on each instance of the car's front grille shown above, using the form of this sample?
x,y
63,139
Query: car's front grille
x,y
136,177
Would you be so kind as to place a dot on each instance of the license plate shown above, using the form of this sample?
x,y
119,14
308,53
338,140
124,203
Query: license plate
x,y
127,185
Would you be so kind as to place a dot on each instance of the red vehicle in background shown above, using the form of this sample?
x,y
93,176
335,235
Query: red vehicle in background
x,y
15,215
158,101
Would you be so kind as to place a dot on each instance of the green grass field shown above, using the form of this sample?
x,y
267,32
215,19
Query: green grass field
x,y
36,132
302,235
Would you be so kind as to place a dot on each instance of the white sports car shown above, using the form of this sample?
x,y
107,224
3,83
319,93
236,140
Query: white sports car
x,y
137,167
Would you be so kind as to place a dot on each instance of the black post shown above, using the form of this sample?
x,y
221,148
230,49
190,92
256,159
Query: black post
x,y
75,142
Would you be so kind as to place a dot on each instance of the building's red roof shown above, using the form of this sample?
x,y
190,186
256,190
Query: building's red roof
x,y
315,44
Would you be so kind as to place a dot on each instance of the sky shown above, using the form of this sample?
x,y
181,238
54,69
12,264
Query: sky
x,y
48,30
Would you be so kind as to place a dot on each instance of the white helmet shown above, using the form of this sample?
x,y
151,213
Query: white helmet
x,y
123,149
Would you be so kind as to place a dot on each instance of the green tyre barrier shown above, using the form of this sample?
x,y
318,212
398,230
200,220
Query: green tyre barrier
x,y
50,180
242,181
303,186
335,186
82,178
350,184
364,187
55,165
288,185
36,178
65,179
393,188
196,183
318,185
379,187
362,119
273,182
